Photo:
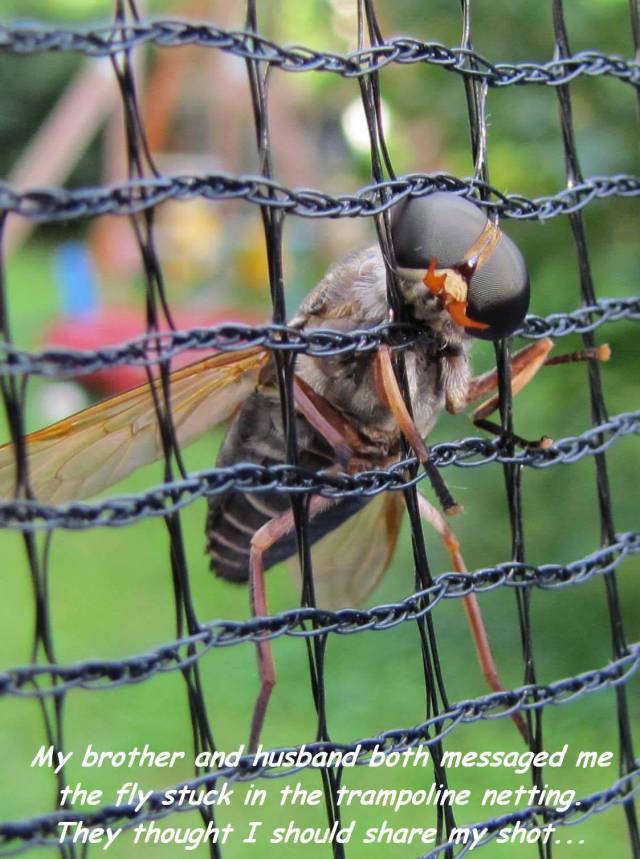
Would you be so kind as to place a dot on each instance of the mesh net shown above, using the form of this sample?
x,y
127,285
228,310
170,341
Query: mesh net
x,y
51,680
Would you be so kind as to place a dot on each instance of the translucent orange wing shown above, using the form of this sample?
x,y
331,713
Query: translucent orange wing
x,y
349,562
93,449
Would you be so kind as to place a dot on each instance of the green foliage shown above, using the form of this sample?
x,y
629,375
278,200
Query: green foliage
x,y
67,10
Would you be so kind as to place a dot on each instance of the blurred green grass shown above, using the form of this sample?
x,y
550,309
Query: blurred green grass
x,y
111,593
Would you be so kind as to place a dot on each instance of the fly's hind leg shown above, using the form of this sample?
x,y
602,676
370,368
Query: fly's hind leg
x,y
264,538
476,623
525,365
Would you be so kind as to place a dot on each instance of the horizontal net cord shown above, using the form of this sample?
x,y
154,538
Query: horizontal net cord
x,y
46,205
149,349
497,705
625,788
99,674
110,40
30,515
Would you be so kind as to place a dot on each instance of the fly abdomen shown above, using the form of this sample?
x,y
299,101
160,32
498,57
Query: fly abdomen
x,y
232,521
234,517
256,436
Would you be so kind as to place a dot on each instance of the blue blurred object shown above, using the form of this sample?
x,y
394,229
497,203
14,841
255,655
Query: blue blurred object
x,y
77,280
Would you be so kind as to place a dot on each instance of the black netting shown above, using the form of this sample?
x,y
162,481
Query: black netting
x,y
52,680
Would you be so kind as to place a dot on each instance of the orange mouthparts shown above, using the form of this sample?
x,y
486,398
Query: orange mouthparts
x,y
458,312
434,282
453,294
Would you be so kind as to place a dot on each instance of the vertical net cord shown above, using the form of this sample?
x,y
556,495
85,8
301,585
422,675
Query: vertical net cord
x,y
435,692
139,158
13,397
598,415
634,12
273,224
476,92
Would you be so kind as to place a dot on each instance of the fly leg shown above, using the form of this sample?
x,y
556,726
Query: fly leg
x,y
391,394
264,538
525,365
478,630
328,422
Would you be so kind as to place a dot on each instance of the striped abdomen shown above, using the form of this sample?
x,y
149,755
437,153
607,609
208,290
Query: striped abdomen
x,y
256,435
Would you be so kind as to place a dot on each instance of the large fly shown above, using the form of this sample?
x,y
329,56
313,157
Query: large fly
x,y
460,278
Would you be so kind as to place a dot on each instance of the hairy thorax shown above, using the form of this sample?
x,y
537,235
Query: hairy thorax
x,y
354,295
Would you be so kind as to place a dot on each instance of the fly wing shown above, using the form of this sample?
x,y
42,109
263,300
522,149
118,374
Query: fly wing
x,y
93,449
349,562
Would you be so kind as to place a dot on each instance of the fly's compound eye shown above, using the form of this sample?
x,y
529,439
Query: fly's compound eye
x,y
449,230
498,293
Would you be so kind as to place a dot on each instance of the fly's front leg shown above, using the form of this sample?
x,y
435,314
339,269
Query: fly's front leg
x,y
264,538
390,393
525,365
478,630
327,421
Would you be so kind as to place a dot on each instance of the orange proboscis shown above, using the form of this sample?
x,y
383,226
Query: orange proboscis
x,y
458,312
434,282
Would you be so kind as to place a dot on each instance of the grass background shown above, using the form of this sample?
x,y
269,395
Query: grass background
x,y
110,589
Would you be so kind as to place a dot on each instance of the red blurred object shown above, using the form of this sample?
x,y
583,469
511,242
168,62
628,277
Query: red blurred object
x,y
114,325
